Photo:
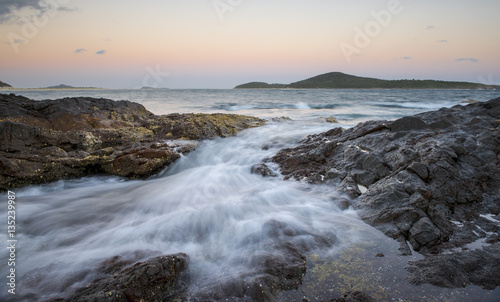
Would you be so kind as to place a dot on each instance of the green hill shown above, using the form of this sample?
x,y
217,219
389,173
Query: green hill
x,y
62,86
260,85
2,84
339,80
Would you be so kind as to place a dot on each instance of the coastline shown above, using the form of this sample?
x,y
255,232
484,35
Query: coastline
x,y
352,158
402,88
44,89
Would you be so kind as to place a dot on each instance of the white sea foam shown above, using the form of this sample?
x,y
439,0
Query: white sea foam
x,y
302,105
207,205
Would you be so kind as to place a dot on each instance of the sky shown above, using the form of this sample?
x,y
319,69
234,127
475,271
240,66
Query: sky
x,y
223,43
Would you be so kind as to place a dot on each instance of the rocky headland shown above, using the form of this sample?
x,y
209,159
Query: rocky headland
x,y
431,181
45,141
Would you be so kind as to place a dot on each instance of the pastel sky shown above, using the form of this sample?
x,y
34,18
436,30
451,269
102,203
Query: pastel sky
x,y
223,43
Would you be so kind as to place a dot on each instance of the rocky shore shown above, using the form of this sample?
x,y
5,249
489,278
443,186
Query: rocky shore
x,y
45,141
431,181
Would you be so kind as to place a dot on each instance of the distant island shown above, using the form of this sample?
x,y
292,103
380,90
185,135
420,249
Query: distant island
x,y
2,84
5,86
339,80
62,86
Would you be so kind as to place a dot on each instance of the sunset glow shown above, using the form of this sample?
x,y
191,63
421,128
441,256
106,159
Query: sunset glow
x,y
216,44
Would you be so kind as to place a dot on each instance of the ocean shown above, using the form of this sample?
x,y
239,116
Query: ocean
x,y
209,205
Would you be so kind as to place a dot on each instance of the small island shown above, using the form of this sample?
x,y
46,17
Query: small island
x,y
2,85
339,80
5,86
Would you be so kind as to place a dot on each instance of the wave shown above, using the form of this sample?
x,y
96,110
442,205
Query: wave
x,y
302,105
268,106
407,105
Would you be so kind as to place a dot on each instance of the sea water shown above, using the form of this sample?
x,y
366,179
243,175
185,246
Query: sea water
x,y
209,205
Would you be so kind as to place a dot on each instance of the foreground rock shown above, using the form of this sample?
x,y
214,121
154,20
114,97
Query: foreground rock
x,y
479,267
44,141
162,278
432,179
355,297
278,264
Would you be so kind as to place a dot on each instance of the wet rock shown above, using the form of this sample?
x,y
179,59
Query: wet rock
x,y
279,264
419,169
273,273
413,177
161,278
424,233
408,123
263,169
355,296
459,269
44,141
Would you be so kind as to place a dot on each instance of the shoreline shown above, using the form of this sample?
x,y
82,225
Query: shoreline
x,y
290,88
402,189
38,89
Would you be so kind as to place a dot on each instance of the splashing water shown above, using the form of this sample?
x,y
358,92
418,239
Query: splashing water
x,y
207,205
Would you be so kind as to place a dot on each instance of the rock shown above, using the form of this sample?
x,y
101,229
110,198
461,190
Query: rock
x,y
355,296
424,233
408,123
161,278
413,177
331,119
263,169
419,169
279,265
44,141
459,269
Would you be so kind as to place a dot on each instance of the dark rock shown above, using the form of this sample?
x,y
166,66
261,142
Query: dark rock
x,y
441,124
412,177
459,269
419,169
44,141
424,233
161,278
279,265
263,169
355,296
408,123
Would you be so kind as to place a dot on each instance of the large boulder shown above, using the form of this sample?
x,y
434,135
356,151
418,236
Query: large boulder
x,y
44,141
160,279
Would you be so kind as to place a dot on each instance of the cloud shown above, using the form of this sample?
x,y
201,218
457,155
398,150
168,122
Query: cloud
x,y
9,8
467,59
430,27
101,52
80,50
402,58
442,41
